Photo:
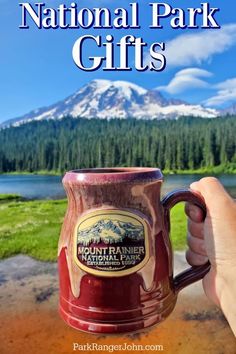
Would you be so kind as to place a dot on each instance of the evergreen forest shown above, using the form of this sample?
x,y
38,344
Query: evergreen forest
x,y
58,145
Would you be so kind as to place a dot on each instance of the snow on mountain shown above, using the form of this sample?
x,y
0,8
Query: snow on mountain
x,y
107,99
110,231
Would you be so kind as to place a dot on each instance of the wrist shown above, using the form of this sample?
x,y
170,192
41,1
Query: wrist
x,y
228,297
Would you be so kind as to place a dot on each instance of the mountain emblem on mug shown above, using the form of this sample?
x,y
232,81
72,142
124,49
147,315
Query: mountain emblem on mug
x,y
109,232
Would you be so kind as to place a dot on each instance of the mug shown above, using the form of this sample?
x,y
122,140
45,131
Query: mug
x,y
115,256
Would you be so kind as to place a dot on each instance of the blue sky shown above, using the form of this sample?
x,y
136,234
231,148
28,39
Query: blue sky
x,y
37,68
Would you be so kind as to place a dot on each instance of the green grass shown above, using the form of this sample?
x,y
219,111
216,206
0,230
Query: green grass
x,y
33,228
40,172
214,170
178,227
229,168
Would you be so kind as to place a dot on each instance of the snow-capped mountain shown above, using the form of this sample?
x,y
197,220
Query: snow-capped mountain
x,y
107,99
110,231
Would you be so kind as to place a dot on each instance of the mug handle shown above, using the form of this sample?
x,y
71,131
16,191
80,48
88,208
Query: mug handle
x,y
194,273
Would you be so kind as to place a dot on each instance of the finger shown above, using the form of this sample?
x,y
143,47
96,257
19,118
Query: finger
x,y
196,245
213,192
195,259
194,212
208,186
196,229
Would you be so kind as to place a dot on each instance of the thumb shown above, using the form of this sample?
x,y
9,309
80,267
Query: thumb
x,y
217,200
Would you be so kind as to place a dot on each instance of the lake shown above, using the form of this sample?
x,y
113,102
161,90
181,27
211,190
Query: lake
x,y
50,187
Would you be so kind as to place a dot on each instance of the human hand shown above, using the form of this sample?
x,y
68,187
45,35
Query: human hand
x,y
214,239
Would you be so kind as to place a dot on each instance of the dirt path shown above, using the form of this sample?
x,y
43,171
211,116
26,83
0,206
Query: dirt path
x,y
30,324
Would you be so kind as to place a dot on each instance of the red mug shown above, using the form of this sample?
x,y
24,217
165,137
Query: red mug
x,y
115,256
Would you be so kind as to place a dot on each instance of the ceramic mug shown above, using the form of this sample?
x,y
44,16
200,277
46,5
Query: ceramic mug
x,y
115,256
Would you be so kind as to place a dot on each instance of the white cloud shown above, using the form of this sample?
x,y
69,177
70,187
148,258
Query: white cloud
x,y
192,78
227,84
187,79
196,48
226,93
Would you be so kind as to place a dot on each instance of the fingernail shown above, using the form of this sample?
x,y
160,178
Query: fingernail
x,y
193,185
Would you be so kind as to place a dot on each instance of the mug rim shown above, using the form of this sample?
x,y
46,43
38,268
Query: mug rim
x,y
104,175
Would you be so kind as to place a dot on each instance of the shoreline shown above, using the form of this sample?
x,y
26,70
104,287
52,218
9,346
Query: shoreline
x,y
216,171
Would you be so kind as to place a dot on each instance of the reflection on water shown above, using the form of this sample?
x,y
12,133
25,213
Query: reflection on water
x,y
33,186
50,187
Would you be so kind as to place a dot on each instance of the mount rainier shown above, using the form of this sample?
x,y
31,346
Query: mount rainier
x,y
107,99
